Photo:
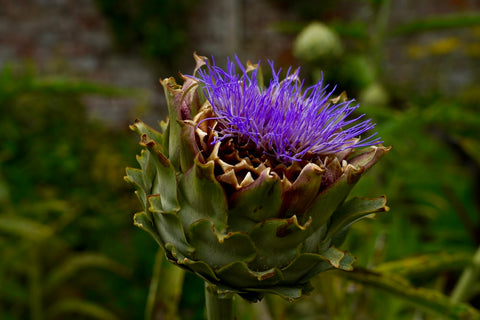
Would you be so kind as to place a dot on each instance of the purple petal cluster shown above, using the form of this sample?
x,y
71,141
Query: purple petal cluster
x,y
284,120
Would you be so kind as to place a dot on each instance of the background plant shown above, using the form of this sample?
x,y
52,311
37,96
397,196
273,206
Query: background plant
x,y
60,195
431,177
66,238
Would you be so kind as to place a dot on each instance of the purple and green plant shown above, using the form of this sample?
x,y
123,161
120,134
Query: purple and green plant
x,y
247,185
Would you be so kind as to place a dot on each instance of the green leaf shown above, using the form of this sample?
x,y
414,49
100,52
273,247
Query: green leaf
x,y
427,299
256,202
173,94
305,266
288,293
135,177
201,196
364,159
165,129
328,201
189,147
218,250
66,307
168,226
426,264
472,148
143,129
164,181
350,212
339,259
239,275
148,170
76,263
25,228
142,178
298,197
142,221
278,241
201,268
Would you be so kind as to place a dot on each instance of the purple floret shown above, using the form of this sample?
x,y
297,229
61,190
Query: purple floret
x,y
282,119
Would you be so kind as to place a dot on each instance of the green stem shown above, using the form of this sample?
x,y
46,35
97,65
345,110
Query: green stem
x,y
154,283
219,307
165,289
469,276
36,309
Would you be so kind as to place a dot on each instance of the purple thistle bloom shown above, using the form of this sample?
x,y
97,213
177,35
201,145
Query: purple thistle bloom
x,y
283,120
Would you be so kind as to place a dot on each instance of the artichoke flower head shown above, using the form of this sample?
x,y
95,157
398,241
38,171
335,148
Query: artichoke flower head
x,y
246,185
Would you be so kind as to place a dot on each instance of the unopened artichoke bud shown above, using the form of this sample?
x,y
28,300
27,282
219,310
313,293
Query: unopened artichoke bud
x,y
316,42
374,95
246,184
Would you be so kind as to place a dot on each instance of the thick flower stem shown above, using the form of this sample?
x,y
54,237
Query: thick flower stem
x,y
218,307
468,277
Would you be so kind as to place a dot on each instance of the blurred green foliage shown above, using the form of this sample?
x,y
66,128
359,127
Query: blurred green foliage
x,y
431,178
67,242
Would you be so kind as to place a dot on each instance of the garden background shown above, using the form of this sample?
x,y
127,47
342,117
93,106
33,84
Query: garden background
x,y
75,74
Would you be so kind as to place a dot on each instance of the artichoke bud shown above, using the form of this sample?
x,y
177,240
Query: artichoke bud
x,y
246,215
317,42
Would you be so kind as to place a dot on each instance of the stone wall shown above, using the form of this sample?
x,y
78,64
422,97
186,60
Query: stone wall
x,y
242,27
71,38
443,60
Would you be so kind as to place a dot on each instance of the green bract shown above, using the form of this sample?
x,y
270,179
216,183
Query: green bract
x,y
244,224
